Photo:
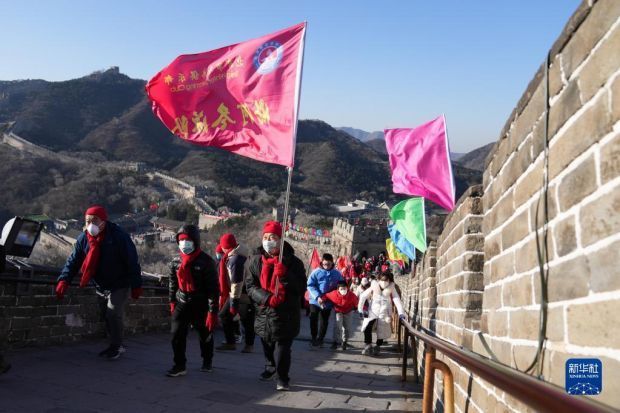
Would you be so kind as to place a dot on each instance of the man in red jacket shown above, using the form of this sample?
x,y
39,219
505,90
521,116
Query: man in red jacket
x,y
345,301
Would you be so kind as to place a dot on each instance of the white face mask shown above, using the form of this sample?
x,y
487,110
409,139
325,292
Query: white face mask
x,y
218,256
92,229
270,245
342,291
384,284
186,246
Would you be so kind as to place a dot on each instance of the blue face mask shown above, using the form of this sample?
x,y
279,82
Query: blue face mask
x,y
186,247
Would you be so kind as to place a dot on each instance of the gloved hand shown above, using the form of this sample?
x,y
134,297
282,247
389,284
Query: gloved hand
x,y
279,270
276,299
403,316
172,307
61,289
233,311
136,293
211,321
361,314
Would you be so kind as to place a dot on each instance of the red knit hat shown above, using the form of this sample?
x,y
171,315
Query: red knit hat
x,y
98,211
228,241
218,249
273,227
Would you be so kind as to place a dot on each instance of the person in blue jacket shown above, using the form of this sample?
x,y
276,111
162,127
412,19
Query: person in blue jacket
x,y
322,280
106,255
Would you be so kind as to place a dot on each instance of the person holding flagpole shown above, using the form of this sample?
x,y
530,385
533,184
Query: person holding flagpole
x,y
276,286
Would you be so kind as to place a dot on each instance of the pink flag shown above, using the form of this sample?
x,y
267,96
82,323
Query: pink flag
x,y
241,98
420,162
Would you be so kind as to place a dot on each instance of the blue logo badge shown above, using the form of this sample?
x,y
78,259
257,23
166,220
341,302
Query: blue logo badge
x,y
584,376
268,57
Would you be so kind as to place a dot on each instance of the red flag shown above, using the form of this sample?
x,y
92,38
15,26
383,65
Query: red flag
x,y
341,263
241,98
315,261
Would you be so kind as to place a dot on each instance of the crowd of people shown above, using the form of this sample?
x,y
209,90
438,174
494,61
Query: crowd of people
x,y
261,293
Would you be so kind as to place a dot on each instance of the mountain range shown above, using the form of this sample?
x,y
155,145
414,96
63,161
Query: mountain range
x,y
376,140
107,115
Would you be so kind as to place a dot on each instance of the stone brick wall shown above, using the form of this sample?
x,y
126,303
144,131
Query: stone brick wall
x,y
495,312
30,315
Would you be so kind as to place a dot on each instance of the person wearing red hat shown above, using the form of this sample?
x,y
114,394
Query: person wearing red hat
x,y
106,256
235,305
276,288
193,294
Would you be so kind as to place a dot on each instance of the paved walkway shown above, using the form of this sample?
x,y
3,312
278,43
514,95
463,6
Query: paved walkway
x,y
73,379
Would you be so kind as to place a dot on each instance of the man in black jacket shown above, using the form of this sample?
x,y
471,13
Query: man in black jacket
x,y
276,289
194,293
105,254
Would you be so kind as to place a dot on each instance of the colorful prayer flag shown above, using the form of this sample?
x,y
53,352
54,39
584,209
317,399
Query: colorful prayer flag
x,y
420,162
242,98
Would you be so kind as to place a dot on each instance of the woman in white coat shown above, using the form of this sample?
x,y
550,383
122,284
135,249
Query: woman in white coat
x,y
381,293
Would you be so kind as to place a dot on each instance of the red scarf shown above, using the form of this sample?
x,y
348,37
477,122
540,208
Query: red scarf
x,y
224,281
267,280
184,273
91,262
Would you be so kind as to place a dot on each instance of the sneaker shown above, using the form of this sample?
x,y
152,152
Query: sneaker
x,y
376,350
267,374
248,349
105,352
238,339
176,371
334,346
282,385
207,366
314,344
367,350
344,345
320,343
227,347
114,353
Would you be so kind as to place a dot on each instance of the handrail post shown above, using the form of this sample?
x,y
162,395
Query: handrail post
x,y
429,380
448,385
414,345
400,328
403,376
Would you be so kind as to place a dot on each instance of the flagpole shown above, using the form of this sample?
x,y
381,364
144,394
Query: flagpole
x,y
300,65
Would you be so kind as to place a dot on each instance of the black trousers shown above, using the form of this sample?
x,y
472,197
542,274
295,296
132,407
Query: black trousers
x,y
315,311
195,313
246,312
278,356
368,334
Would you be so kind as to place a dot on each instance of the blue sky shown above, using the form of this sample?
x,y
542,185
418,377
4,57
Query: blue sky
x,y
368,64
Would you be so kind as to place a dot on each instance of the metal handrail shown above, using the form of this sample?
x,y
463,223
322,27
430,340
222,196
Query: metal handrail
x,y
538,394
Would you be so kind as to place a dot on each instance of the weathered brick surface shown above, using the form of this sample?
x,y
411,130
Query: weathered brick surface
x,y
37,318
600,218
602,64
578,184
610,154
591,324
588,129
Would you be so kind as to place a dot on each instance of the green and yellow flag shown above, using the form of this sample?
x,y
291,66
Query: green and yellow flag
x,y
393,253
